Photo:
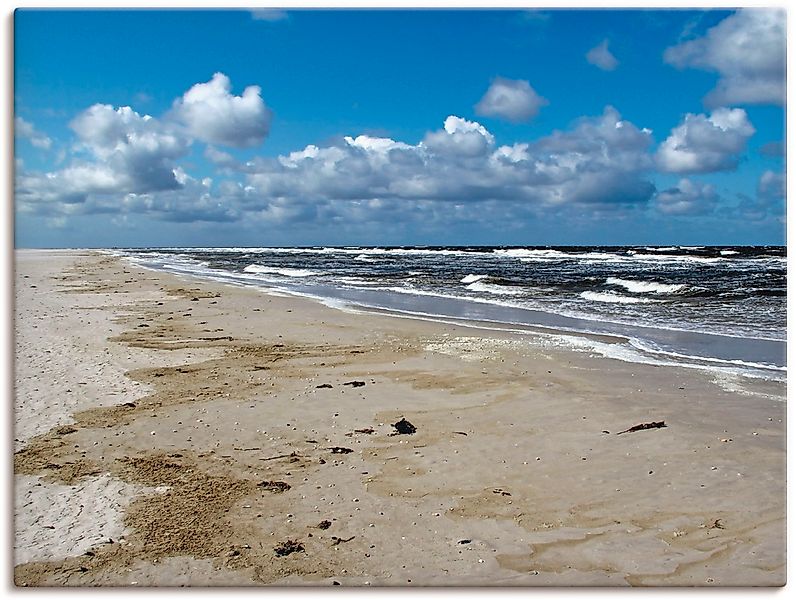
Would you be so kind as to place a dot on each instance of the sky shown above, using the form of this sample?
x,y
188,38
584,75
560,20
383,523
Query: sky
x,y
265,127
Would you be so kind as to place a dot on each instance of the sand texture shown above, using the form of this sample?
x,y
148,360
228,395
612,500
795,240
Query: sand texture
x,y
175,432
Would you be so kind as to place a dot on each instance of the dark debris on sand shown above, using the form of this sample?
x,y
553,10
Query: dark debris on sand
x,y
355,383
274,486
405,427
643,426
288,547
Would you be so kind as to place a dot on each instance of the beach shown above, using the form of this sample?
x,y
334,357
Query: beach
x,y
177,431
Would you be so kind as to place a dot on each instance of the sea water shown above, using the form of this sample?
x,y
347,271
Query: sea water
x,y
708,307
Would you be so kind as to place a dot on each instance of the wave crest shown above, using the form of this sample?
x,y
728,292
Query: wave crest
x,y
646,287
279,271
615,298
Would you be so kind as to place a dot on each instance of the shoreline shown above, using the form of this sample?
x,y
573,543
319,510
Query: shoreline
x,y
760,356
509,453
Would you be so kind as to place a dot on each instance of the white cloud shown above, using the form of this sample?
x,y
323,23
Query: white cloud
x,y
513,100
26,130
747,49
703,144
214,115
771,186
219,157
688,198
600,56
769,202
460,137
139,151
600,161
268,14
120,154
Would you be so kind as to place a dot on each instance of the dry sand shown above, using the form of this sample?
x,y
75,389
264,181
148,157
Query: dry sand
x,y
178,432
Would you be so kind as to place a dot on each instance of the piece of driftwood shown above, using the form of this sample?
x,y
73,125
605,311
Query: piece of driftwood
x,y
337,540
291,455
340,450
643,426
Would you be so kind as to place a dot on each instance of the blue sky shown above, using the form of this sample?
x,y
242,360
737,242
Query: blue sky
x,y
316,127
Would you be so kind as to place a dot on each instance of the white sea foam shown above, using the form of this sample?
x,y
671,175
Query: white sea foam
x,y
615,298
645,287
679,258
631,256
362,253
490,288
280,271
473,278
661,248
524,253
359,281
636,352
727,362
728,252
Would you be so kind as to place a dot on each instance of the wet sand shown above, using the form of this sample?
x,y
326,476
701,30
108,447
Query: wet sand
x,y
178,432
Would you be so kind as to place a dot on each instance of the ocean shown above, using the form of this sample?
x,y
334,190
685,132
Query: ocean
x,y
720,308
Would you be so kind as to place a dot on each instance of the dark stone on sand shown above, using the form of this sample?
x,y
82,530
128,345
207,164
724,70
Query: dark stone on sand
x,y
404,426
339,450
323,386
465,541
288,547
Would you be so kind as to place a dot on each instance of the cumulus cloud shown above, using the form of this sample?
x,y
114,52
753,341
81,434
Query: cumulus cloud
x,y
771,186
513,100
460,137
600,161
26,130
220,158
214,115
769,202
687,198
600,56
747,49
137,152
703,144
123,161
